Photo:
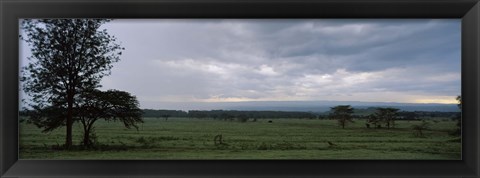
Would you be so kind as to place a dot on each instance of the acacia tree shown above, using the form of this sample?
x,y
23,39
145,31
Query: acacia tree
x,y
387,115
375,120
111,105
392,116
343,113
68,57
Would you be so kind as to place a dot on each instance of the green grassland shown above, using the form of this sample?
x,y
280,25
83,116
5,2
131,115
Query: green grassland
x,y
184,138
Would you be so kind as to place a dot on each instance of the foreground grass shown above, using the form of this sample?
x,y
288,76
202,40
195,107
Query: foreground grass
x,y
183,138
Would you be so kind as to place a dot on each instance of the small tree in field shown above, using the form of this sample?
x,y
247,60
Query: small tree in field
x,y
419,128
387,115
458,130
68,57
111,105
342,113
375,120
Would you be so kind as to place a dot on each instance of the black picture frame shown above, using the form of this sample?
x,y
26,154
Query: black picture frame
x,y
466,10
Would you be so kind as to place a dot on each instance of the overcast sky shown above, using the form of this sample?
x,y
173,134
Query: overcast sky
x,y
416,61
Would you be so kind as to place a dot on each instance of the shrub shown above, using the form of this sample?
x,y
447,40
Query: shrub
x,y
418,128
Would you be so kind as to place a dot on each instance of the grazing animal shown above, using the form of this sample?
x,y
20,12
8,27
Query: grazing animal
x,y
270,121
367,125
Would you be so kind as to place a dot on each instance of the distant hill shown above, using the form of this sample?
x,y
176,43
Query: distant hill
x,y
306,106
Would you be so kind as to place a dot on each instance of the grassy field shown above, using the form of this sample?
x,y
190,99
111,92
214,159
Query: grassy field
x,y
183,138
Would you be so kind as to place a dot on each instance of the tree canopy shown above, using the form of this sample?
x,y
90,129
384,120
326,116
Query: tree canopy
x,y
343,113
387,115
69,56
111,105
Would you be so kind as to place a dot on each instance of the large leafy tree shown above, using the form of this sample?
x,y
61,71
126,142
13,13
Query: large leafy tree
x,y
342,113
111,105
68,56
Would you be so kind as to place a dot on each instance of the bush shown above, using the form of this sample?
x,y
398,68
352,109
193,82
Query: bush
x,y
419,128
263,146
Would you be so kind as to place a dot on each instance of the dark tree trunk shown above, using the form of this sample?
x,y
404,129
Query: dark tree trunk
x,y
69,123
87,131
86,136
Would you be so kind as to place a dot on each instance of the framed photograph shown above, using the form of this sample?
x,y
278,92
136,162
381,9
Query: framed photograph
x,y
239,88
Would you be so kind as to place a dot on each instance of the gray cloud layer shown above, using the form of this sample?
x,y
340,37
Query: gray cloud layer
x,y
238,60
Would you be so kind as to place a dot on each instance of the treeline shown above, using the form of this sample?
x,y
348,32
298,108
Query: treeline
x,y
386,117
407,115
163,113
227,114
416,115
231,114
401,115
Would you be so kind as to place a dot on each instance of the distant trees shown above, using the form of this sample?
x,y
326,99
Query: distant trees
x,y
385,116
162,113
226,116
342,113
417,115
374,120
235,114
68,57
242,118
408,115
166,116
388,115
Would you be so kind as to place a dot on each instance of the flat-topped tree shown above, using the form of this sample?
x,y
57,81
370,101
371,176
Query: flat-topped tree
x,y
68,57
387,115
342,113
111,105
375,120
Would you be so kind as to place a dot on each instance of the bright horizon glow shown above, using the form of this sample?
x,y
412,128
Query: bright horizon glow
x,y
440,101
420,101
